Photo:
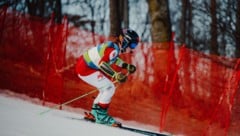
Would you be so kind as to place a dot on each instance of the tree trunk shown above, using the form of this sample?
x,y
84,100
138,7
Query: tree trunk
x,y
214,44
183,22
160,20
124,11
58,11
237,34
115,18
189,26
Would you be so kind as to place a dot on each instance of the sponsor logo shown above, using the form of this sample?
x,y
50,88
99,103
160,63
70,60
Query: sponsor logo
x,y
100,76
113,55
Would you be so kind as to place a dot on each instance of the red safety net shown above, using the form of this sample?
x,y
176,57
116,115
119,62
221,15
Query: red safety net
x,y
177,90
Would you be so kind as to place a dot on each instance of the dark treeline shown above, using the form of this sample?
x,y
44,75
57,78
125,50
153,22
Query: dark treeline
x,y
209,26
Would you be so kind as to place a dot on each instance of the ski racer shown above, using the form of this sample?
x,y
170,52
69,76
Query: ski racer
x,y
95,68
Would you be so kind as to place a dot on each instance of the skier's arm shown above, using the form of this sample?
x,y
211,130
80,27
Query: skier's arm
x,y
109,55
119,62
105,68
131,68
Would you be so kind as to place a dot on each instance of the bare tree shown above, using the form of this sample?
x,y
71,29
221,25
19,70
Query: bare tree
x,y
35,7
183,22
214,35
237,34
45,8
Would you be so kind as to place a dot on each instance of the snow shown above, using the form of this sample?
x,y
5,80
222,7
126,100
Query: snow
x,y
22,118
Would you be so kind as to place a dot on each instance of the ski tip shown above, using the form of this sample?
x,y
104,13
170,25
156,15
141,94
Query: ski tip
x,y
89,117
117,124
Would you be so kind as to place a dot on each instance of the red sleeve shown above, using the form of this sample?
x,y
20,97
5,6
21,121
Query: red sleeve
x,y
107,54
106,58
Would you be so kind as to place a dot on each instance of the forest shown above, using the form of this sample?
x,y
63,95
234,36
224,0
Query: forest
x,y
209,26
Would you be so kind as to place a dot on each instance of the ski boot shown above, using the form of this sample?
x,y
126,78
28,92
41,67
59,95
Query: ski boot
x,y
100,115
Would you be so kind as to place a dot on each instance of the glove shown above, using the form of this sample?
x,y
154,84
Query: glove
x,y
131,68
120,77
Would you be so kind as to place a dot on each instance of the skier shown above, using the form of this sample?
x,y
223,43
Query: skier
x,y
95,68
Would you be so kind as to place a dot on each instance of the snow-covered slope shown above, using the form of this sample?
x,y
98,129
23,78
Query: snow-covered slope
x,y
22,118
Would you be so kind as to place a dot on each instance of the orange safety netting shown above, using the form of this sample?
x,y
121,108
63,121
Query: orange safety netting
x,y
178,90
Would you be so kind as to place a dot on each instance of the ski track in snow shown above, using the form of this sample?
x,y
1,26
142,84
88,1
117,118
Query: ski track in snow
x,y
22,118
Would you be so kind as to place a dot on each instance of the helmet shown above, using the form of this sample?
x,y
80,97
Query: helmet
x,y
130,39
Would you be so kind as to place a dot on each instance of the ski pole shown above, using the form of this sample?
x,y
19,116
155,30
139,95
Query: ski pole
x,y
72,100
67,102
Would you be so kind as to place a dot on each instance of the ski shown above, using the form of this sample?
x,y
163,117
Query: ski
x,y
145,132
136,130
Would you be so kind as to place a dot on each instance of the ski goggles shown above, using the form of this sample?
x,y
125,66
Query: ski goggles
x,y
131,45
